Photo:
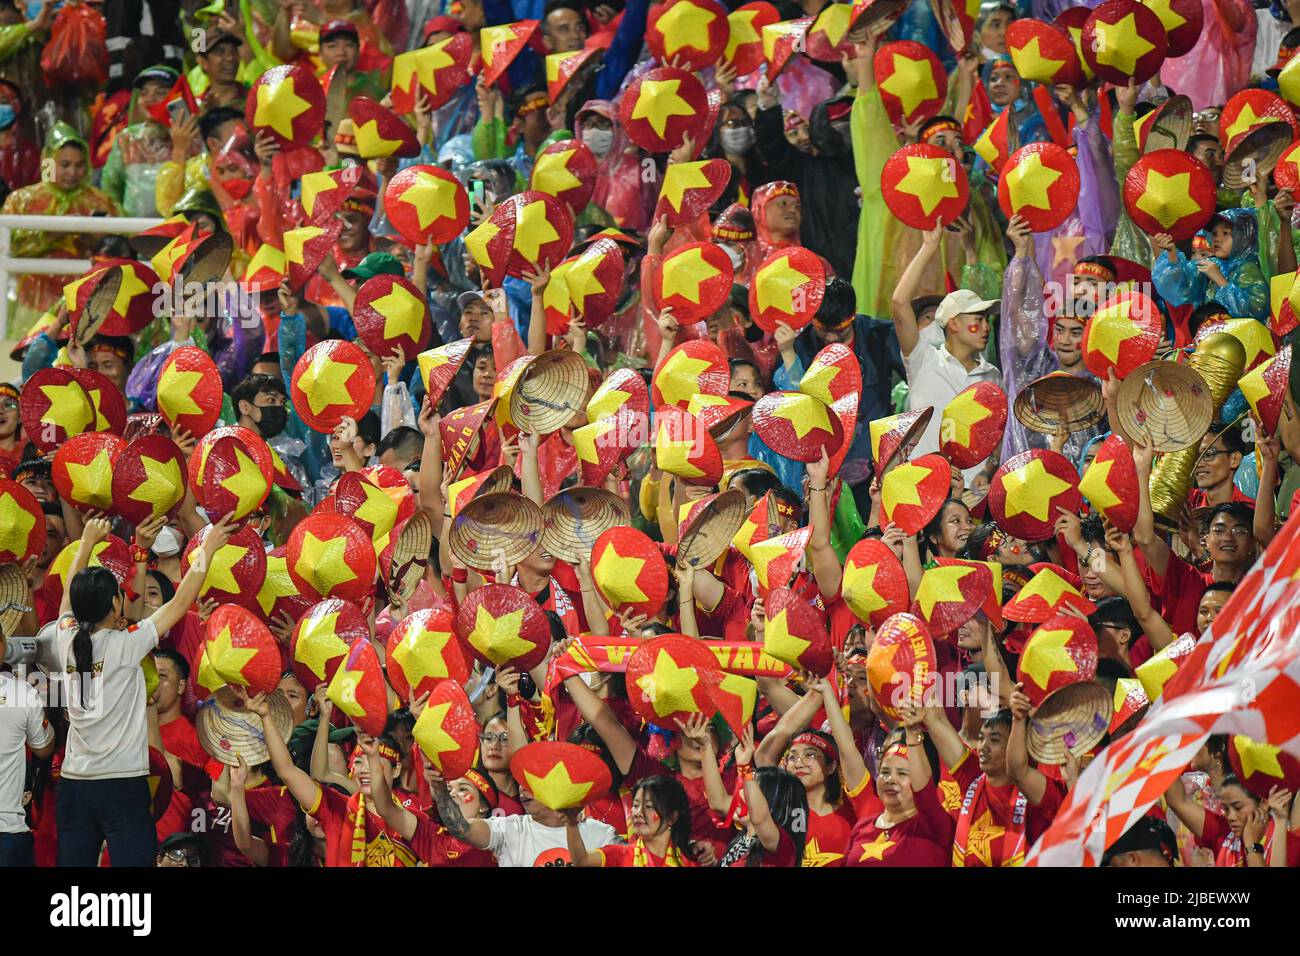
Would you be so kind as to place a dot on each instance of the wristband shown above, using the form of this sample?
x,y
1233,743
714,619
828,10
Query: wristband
x,y
139,555
459,575
513,700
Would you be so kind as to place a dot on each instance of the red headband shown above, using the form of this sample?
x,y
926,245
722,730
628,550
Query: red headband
x,y
386,751
483,786
1094,269
819,742
943,126
537,101
996,539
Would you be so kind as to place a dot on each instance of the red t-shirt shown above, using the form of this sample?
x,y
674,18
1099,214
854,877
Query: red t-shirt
x,y
180,740
624,854
784,855
1197,498
921,840
1180,594
272,812
987,840
1228,848
828,835
434,846
704,825
337,815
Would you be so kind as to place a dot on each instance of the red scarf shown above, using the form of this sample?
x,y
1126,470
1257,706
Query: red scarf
x,y
975,806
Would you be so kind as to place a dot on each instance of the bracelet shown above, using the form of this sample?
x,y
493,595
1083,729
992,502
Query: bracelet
x,y
459,575
821,489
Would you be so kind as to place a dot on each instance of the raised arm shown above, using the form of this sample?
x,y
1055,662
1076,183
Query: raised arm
x,y
578,851
320,747
901,303
852,767
952,750
1188,810
1135,590
302,787
170,614
825,562
390,811
96,530
241,826
1153,546
1030,780
621,744
792,722
474,832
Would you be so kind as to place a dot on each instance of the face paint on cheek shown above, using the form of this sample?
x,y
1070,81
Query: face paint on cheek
x,y
973,329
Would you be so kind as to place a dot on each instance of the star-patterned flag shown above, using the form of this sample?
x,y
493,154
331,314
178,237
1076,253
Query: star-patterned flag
x,y
83,470
874,583
912,81
1262,766
278,596
661,107
1122,334
329,555
560,776
693,280
901,663
377,504
684,447
1028,488
1265,388
236,571
541,227
1123,40
671,678
438,367
795,633
499,45
461,431
1043,54
744,50
893,438
288,103
380,132
923,185
566,169
189,391
973,423
629,571
1169,191
358,689
1110,484
781,41
105,400
437,70
149,479
692,32
1061,651
390,313
231,472
54,406
241,650
423,651
689,189
570,69
1183,21
950,594
22,523
913,492
775,559
788,287
1040,183
503,627
426,204
588,285
827,38
332,379
1046,594
322,639
324,192
697,367
957,20
447,732
796,425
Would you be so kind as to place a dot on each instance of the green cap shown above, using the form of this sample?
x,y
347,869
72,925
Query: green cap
x,y
375,264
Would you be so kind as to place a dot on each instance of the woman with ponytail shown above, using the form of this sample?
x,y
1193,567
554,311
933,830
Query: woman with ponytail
x,y
104,790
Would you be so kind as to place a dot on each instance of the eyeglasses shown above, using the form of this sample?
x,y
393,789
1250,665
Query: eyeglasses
x,y
1216,453
501,739
177,855
1205,116
801,756
1223,531
9,405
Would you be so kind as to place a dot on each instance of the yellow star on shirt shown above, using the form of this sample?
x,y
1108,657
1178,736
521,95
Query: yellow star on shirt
x,y
674,456
403,313
557,789
679,377
775,284
805,413
901,486
322,563
69,407
1246,119
1029,180
1045,654
779,642
668,687
681,177
420,655
681,24
961,415
551,173
221,572
814,856
1167,199
92,483
930,180
876,849
497,638
982,834
533,230
325,382
1119,45
941,584
16,524
1110,329
740,23
617,576
428,733
859,589
659,101
1030,490
421,66
1095,486
1032,65
684,273
1258,757
278,105
176,392
276,584
226,659
911,82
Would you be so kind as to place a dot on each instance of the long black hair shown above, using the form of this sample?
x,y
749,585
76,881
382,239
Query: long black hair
x,y
91,594
787,802
668,797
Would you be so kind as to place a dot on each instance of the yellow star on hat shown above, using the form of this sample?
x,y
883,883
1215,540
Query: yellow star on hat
x,y
1111,327
92,482
432,197
1245,120
221,572
779,642
276,584
325,382
422,657
247,484
1258,757
278,105
557,789
679,377
1095,486
1032,65
658,101
668,687
1045,655
323,563
69,407
476,241
1047,585
582,282
941,584
533,230
16,524
833,22
1169,17
681,177
403,313
775,284
618,574
817,381
684,273
911,82
964,412
1029,181
433,740
740,23
315,185
1119,44
674,456
859,588
804,412
371,143
930,180
226,659
682,22
497,638
176,392
421,66
586,439
551,173
1167,199
902,485
1030,490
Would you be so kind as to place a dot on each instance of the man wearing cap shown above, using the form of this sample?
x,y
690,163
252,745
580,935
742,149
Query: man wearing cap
x,y
188,170
350,42
219,59
1148,842
141,149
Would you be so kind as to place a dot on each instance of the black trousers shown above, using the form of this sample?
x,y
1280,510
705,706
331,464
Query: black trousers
x,y
16,849
90,812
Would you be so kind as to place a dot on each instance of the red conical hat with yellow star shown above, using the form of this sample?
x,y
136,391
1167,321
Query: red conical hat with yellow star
x,y
503,626
719,414
735,698
1130,700
1122,334
1122,40
278,596
194,256
797,425
912,493
787,287
893,438
426,204
287,103
923,185
375,502
1040,183
325,192
661,107
951,593
148,242
447,731
973,423
89,301
874,585
744,50
835,378
684,447
22,523
588,285
1248,109
899,663
622,388
629,571
189,391
774,560
957,21
423,652
689,189
380,132
266,269
994,144
322,638
828,37
112,553
83,470
133,307
1253,335
1156,671
1028,488
1043,54
708,526
105,398
1183,21
54,406
332,379
358,689
671,678
1261,766
231,472
875,16
911,80
1043,597
1265,388
560,776
694,280
602,445
438,71
499,45
781,41
241,649
460,434
1110,484
391,313
542,231
692,32
697,367
438,367
329,555
1061,651
1286,174
305,248
237,570
570,69
566,169
1170,191
795,633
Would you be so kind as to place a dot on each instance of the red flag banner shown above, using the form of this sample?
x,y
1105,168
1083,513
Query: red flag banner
x,y
609,655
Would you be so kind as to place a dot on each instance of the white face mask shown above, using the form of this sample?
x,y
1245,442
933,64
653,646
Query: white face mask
x,y
737,140
737,258
932,335
599,141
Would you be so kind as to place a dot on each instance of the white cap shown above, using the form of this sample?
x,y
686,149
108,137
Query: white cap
x,y
961,302
169,542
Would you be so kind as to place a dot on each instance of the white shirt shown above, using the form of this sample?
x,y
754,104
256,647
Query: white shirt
x,y
22,722
934,377
519,840
107,738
